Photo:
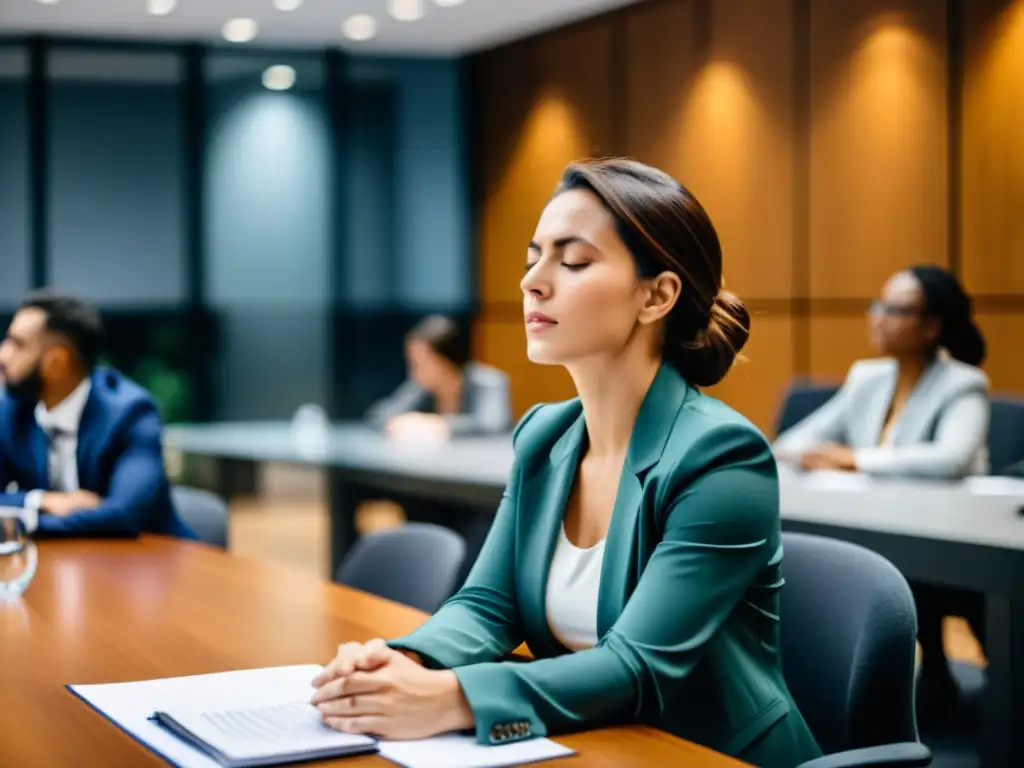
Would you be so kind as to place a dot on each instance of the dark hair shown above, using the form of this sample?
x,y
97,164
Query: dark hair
x,y
442,335
945,299
77,323
666,228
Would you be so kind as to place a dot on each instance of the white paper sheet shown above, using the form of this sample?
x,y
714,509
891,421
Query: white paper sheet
x,y
455,751
130,705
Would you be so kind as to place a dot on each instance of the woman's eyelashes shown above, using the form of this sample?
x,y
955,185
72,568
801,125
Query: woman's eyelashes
x,y
572,267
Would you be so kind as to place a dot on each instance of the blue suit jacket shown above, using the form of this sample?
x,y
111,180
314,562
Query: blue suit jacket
x,y
120,458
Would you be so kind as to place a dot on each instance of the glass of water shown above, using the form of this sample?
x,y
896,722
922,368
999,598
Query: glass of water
x,y
18,555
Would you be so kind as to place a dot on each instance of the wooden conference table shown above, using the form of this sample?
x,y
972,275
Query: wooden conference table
x,y
117,611
968,535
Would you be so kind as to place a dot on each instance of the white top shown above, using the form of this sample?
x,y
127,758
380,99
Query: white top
x,y
573,583
61,427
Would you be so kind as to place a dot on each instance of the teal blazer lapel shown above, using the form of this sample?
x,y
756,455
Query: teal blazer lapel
x,y
544,493
621,567
543,496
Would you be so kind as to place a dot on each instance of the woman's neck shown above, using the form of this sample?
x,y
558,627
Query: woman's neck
x,y
612,392
909,370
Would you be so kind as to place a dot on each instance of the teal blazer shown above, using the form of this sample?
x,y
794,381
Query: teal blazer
x,y
688,604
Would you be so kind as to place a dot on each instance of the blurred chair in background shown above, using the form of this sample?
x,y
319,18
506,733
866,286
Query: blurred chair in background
x,y
1006,434
205,512
416,564
848,630
800,401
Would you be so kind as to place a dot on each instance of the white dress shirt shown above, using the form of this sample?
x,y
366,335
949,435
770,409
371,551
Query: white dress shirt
x,y
60,424
572,589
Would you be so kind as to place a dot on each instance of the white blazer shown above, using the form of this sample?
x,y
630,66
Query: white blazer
x,y
941,433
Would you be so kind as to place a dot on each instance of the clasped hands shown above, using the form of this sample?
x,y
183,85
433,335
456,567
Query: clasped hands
x,y
62,504
372,689
417,427
829,456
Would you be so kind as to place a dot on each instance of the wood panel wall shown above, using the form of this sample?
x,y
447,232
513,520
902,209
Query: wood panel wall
x,y
832,142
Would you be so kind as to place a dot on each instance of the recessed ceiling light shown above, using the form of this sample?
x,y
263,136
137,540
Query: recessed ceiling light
x,y
360,27
240,30
287,5
406,10
160,7
448,3
47,2
279,77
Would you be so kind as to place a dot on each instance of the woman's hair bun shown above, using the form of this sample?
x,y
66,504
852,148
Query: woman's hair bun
x,y
707,359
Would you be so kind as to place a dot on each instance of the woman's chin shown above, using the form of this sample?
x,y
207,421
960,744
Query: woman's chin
x,y
542,355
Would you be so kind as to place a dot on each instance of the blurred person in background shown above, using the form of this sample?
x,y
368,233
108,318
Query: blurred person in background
x,y
920,411
445,394
80,446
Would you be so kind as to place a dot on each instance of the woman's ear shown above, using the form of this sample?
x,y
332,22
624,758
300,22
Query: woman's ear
x,y
663,292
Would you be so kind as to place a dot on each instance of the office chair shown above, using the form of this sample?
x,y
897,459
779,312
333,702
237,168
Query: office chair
x,y
415,564
1006,435
205,512
848,638
801,400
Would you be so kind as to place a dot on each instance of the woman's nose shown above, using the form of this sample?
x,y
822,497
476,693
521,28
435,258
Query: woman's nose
x,y
535,282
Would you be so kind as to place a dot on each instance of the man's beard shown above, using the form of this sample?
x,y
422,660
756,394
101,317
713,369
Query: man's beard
x,y
28,388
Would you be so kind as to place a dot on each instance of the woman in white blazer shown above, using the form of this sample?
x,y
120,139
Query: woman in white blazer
x,y
921,410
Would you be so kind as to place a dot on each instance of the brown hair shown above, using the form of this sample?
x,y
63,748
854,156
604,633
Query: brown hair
x,y
443,335
666,228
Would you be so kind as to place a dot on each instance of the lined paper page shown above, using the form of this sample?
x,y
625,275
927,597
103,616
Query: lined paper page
x,y
274,730
129,705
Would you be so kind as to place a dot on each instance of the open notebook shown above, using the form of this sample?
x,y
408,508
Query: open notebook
x,y
261,736
261,717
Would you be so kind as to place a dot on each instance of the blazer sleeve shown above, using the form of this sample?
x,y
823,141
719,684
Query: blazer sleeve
x,y
409,396
491,409
826,425
960,434
719,532
137,484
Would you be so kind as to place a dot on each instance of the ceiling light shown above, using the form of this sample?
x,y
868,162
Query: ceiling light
x,y
240,30
279,77
47,2
287,5
406,10
160,7
360,27
448,3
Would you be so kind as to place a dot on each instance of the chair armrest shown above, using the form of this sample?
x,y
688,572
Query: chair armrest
x,y
908,754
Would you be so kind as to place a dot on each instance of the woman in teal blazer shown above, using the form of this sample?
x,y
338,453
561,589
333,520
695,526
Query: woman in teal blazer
x,y
637,547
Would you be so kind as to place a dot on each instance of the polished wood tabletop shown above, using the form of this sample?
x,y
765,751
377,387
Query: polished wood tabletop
x,y
118,611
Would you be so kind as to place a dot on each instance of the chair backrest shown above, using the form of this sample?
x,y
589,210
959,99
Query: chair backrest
x,y
204,512
801,400
415,564
848,634
1006,433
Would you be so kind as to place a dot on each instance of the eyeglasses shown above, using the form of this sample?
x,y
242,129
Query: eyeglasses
x,y
893,310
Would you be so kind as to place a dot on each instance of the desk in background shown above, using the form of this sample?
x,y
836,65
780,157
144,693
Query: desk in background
x,y
117,611
968,535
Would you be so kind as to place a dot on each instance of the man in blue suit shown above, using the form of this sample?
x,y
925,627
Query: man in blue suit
x,y
80,446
